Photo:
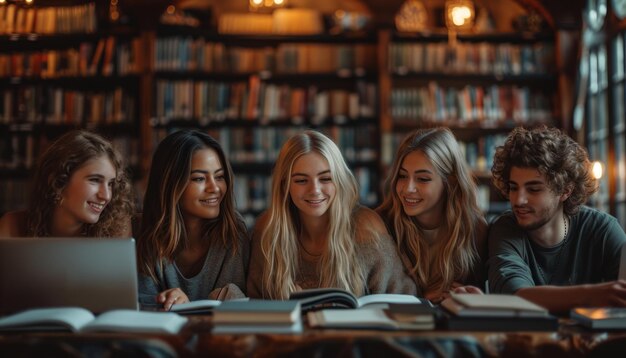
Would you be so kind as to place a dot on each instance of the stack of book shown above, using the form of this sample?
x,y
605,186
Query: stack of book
x,y
257,316
471,312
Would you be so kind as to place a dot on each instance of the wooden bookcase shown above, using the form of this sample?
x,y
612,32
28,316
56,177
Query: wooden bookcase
x,y
59,71
364,90
481,87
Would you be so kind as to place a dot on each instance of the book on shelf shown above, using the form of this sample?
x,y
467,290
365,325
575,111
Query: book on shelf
x,y
257,316
495,312
396,317
321,298
600,317
76,319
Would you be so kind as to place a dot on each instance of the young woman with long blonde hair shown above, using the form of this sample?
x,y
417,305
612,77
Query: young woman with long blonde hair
x,y
432,212
315,234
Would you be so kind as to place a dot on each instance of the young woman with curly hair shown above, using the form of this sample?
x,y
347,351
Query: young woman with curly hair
x,y
80,188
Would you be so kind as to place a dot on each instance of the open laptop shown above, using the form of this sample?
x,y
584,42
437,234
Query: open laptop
x,y
99,274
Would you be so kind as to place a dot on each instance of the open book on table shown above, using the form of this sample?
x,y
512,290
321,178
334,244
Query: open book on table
x,y
319,298
76,319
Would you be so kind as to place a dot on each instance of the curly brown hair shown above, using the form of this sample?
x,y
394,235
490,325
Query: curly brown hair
x,y
55,168
563,163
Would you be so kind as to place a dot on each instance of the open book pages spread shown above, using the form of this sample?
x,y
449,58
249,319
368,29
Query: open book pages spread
x,y
314,299
77,319
492,305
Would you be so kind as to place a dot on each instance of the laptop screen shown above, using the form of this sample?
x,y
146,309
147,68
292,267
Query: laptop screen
x,y
99,274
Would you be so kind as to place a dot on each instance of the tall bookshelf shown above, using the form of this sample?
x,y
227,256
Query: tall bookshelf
x,y
254,92
365,90
61,68
602,69
480,86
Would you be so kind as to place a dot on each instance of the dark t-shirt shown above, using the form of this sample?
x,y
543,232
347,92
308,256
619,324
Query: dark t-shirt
x,y
590,253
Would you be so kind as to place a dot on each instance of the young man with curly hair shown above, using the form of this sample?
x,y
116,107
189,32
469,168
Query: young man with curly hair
x,y
550,248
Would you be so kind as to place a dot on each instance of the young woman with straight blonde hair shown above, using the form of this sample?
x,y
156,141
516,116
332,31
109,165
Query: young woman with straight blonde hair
x,y
431,210
315,234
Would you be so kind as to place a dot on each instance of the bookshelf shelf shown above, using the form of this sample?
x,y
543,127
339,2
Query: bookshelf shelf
x,y
480,86
547,81
63,67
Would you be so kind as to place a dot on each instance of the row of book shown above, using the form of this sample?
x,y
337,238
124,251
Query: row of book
x,y
189,54
256,99
16,19
107,57
18,151
54,105
478,153
252,192
483,58
470,103
261,145
323,308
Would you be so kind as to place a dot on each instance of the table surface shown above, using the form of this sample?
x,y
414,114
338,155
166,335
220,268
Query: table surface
x,y
195,339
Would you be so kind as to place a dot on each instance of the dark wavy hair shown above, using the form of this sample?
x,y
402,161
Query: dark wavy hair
x,y
54,170
163,234
563,163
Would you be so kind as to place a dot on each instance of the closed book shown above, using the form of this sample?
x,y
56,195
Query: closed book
x,y
195,307
397,317
493,305
600,318
76,319
495,312
251,328
258,312
499,324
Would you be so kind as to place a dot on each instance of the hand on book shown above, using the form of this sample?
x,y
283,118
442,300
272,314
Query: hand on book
x,y
467,289
170,297
437,296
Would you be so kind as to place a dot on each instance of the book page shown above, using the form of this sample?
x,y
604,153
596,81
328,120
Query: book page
x,y
195,306
385,298
339,318
68,318
136,321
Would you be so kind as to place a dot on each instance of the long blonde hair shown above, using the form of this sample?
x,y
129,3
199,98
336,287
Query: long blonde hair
x,y
459,253
279,239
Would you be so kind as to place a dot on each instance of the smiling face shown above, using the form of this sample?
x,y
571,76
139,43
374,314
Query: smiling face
x,y
311,188
534,203
206,187
87,193
421,190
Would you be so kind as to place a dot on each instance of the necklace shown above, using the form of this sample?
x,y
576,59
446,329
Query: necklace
x,y
307,251
558,255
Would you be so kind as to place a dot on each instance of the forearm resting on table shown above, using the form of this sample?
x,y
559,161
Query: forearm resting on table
x,y
558,299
